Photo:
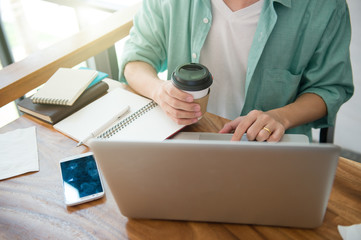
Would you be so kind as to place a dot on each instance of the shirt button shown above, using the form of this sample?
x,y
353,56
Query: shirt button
x,y
205,20
194,55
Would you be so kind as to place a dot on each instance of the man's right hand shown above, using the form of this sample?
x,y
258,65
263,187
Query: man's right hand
x,y
178,105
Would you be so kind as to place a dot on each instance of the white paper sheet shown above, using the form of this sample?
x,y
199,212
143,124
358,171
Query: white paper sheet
x,y
18,152
352,232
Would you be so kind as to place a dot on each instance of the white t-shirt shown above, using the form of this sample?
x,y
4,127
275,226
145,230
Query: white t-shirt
x,y
225,53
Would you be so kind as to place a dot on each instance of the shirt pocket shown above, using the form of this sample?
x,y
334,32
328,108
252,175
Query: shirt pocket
x,y
279,87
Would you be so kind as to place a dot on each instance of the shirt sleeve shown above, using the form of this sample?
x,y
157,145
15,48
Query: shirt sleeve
x,y
146,38
329,73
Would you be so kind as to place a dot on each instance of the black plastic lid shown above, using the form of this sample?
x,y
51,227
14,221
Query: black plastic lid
x,y
192,77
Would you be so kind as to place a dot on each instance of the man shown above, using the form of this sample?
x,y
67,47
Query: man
x,y
281,65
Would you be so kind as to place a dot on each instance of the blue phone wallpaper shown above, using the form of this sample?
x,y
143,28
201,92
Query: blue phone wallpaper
x,y
81,177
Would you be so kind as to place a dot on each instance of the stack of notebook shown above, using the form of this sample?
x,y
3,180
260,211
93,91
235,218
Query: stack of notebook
x,y
67,91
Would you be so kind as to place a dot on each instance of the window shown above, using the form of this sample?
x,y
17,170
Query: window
x,y
30,25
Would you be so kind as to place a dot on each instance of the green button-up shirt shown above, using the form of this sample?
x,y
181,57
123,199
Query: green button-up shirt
x,y
300,46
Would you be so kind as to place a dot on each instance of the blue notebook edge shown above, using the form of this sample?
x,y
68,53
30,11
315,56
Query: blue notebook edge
x,y
98,78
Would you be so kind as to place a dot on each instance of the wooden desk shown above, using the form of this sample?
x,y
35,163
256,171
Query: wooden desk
x,y
32,206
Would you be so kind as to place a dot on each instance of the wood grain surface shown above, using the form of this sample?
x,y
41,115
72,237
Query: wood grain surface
x,y
32,205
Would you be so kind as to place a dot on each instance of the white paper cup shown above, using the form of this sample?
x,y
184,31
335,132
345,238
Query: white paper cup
x,y
198,94
195,79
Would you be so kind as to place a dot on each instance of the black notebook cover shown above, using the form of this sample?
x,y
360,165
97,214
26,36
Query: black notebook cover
x,y
55,113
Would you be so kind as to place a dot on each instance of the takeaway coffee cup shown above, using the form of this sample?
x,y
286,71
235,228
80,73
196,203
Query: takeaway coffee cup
x,y
195,79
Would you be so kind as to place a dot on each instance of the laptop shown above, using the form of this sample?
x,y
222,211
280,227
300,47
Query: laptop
x,y
287,138
274,184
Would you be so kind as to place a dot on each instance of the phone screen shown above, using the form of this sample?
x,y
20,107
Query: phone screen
x,y
80,178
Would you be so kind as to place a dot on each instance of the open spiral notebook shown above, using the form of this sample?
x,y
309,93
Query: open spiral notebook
x,y
145,120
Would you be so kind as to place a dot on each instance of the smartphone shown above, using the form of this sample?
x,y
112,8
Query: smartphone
x,y
81,179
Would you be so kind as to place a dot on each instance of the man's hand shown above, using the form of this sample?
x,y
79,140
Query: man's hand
x,y
271,125
177,104
258,125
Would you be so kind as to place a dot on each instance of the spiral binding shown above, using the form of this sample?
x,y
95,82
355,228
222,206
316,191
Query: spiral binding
x,y
124,123
50,101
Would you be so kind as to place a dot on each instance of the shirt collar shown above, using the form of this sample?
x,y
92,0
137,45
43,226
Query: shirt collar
x,y
287,3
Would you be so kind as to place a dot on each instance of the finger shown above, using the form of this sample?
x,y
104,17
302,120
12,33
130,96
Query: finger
x,y
227,128
276,135
231,126
177,93
178,113
178,99
243,127
181,105
264,134
237,135
184,121
256,131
